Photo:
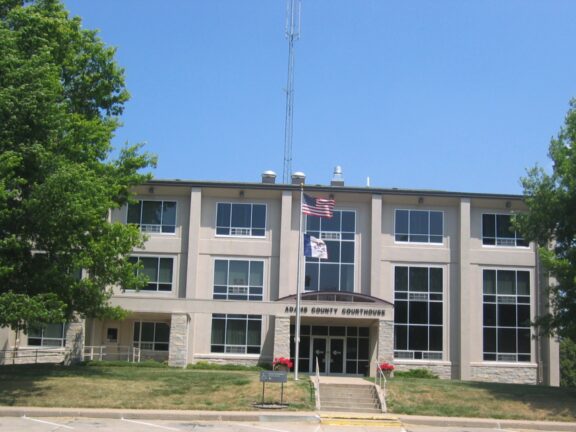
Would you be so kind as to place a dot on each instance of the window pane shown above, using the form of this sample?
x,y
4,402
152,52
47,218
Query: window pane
x,y
134,213
312,223
400,337
400,312
333,249
241,215
162,332
488,225
238,273
256,273
223,215
436,223
258,216
236,332
435,338
254,332
419,279
418,312
489,281
347,252
419,222
347,278
504,227
506,282
147,334
436,313
54,331
507,340
165,270
348,221
331,224
363,348
401,222
523,278
401,279
150,268
435,280
523,315
489,340
524,341
507,315
418,338
151,212
489,314
311,278
329,274
218,331
169,213
221,272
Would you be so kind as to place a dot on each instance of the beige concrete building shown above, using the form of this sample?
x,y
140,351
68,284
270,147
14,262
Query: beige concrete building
x,y
426,279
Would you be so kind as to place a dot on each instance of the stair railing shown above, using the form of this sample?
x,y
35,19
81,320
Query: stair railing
x,y
318,405
380,377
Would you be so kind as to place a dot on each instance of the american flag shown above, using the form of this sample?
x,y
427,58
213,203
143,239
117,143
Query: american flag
x,y
317,206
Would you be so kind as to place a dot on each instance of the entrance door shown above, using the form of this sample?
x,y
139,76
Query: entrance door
x,y
318,352
330,354
336,364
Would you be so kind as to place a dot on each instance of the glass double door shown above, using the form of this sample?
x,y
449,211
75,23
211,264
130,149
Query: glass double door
x,y
330,354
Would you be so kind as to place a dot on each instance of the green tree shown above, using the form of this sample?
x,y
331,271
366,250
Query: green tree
x,y
551,222
567,363
61,95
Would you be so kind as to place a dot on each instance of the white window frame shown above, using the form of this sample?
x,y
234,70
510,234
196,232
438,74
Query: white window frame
x,y
238,287
240,234
508,357
496,245
157,291
236,348
42,338
147,228
149,346
410,210
429,355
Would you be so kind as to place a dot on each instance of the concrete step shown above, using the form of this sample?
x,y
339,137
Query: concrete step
x,y
350,409
349,398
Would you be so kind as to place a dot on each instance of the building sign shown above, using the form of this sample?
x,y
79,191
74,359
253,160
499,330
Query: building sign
x,y
333,311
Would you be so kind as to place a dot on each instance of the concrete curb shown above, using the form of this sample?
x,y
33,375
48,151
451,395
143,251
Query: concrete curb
x,y
247,416
486,423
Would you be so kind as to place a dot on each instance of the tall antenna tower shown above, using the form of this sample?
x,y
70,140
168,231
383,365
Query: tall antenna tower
x,y
292,34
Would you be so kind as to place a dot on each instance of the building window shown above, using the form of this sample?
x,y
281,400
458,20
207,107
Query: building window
x,y
418,313
238,279
154,336
236,334
497,230
153,216
506,315
52,335
337,272
157,270
112,335
241,220
419,226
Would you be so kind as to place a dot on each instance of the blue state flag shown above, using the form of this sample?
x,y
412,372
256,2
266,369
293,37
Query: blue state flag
x,y
314,247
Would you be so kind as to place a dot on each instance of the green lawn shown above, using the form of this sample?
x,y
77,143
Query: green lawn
x,y
142,387
116,386
474,399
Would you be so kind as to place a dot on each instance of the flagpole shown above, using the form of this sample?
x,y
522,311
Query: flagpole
x,y
298,289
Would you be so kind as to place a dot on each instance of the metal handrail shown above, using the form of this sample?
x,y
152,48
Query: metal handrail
x,y
380,377
318,403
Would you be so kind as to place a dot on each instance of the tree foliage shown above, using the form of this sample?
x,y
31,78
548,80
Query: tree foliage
x,y
61,95
551,222
567,363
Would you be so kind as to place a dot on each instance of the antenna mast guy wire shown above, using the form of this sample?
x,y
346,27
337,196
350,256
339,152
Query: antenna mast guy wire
x,y
292,34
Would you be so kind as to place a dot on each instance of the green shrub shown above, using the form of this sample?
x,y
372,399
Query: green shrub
x,y
567,363
416,373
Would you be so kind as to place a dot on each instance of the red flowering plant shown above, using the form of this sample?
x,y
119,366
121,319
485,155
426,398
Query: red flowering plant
x,y
386,367
282,361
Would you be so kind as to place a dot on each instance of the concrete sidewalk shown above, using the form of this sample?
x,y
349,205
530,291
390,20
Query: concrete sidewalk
x,y
286,416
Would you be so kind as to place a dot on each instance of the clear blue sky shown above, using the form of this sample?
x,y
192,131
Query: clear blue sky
x,y
444,94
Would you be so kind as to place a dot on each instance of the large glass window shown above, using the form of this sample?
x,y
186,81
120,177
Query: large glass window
x,y
158,270
153,216
153,336
238,279
418,316
239,334
419,226
497,230
506,315
337,272
243,220
52,335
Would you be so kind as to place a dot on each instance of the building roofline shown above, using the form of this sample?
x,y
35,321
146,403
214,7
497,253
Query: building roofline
x,y
329,189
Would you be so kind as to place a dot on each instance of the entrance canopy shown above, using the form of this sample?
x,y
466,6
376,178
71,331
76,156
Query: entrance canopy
x,y
335,296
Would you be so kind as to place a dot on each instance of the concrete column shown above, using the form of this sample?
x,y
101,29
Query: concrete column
x,y
282,337
376,288
193,242
288,249
74,340
178,355
462,298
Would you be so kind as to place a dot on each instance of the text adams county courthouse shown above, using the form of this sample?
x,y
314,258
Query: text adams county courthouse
x,y
426,279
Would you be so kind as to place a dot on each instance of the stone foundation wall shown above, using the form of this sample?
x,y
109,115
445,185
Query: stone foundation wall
x,y
231,361
282,337
443,370
511,374
25,355
178,355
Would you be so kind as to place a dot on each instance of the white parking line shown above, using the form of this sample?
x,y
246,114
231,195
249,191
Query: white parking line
x,y
150,424
46,422
260,427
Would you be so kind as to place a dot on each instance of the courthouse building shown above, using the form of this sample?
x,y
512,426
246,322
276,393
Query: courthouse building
x,y
420,278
